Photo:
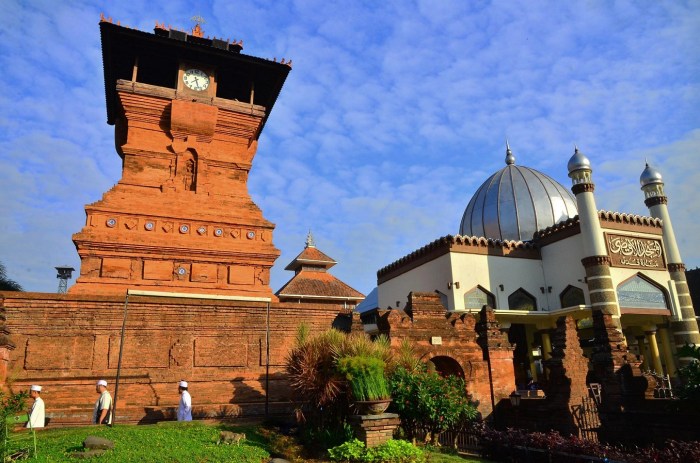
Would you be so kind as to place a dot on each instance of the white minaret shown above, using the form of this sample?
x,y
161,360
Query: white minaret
x,y
685,327
596,260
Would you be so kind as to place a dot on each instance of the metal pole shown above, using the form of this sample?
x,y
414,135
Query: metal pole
x,y
119,363
267,360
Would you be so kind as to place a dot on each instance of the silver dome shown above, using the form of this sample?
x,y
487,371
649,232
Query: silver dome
x,y
514,203
650,176
578,161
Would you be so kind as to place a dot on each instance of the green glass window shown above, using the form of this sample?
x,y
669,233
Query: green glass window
x,y
522,300
477,298
572,296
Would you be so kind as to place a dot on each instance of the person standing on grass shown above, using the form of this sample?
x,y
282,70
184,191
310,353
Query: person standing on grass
x,y
184,411
36,414
103,406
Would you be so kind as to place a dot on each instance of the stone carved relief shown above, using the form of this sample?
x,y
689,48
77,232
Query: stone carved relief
x,y
262,276
178,354
186,171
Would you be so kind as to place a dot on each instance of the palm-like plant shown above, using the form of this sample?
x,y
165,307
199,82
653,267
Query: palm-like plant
x,y
313,363
311,367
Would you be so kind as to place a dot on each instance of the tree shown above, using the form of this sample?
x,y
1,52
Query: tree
x,y
689,391
6,284
427,400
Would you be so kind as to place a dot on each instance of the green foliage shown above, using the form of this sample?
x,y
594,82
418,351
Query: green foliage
x,y
168,442
365,376
12,404
393,451
406,358
325,437
352,450
311,367
302,334
689,391
313,364
427,400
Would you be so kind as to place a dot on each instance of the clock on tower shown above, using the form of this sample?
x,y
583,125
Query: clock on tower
x,y
188,112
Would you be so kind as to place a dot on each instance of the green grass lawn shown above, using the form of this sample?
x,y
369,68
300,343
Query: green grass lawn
x,y
174,442
167,442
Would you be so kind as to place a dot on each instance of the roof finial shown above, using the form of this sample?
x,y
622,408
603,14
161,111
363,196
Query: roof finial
x,y
510,159
197,29
310,240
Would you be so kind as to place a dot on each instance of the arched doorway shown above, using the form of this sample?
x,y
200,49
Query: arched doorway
x,y
446,366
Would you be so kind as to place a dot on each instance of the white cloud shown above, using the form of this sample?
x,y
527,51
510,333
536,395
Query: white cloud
x,y
392,115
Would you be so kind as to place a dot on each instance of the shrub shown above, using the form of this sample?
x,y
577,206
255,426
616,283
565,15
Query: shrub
x,y
311,367
352,450
313,373
11,404
498,445
398,451
689,391
427,400
313,363
393,451
365,376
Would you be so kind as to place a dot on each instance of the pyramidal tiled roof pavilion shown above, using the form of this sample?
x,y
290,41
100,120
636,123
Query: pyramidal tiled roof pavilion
x,y
312,283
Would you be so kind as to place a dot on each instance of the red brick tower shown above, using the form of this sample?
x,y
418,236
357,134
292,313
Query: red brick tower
x,y
188,112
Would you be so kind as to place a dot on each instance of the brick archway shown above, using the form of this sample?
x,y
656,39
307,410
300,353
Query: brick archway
x,y
446,364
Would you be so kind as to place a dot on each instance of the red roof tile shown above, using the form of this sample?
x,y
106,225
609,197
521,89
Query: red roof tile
x,y
318,284
311,256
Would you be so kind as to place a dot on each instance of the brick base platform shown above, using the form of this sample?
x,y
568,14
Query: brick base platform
x,y
374,430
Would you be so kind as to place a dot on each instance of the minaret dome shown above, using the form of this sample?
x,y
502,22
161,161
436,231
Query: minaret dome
x,y
578,161
650,176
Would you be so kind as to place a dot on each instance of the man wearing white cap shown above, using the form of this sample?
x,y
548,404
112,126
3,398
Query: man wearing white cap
x,y
36,414
103,406
184,411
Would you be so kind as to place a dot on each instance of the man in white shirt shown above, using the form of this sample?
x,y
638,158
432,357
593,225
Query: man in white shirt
x,y
36,414
103,406
184,411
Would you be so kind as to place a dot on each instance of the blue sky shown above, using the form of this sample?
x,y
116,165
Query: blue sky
x,y
393,115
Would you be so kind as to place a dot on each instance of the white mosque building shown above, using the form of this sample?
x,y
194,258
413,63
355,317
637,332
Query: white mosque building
x,y
534,252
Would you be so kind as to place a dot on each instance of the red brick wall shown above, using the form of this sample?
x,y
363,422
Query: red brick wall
x,y
460,339
67,342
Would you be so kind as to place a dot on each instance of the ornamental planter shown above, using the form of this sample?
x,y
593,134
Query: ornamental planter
x,y
371,407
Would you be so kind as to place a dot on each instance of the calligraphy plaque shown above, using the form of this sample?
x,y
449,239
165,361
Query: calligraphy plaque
x,y
633,252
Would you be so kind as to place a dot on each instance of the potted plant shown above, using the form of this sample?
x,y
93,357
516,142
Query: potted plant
x,y
368,385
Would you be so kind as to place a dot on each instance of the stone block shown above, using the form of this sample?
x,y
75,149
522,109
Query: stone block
x,y
114,267
157,270
204,273
241,275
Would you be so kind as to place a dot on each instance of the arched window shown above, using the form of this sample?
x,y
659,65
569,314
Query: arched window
x,y
477,298
522,300
638,293
572,296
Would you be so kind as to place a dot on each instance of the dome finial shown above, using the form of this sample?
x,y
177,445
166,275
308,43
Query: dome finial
x,y
310,240
650,176
578,161
510,159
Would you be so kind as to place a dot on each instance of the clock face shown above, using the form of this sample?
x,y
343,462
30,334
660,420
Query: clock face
x,y
196,79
